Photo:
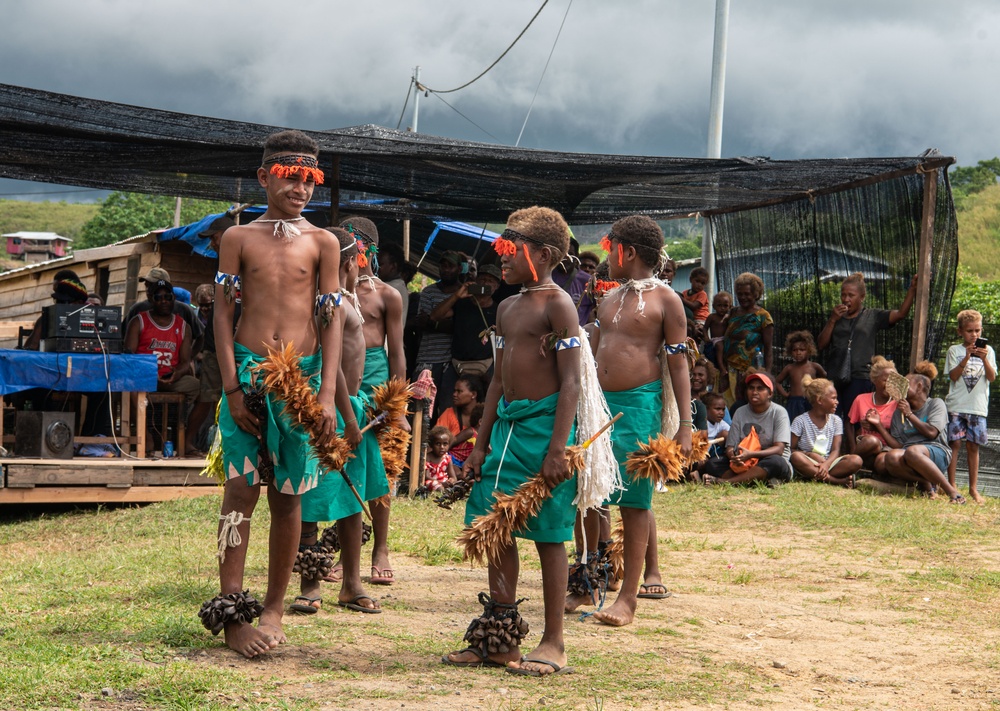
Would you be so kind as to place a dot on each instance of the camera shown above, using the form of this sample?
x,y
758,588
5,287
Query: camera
x,y
479,290
981,343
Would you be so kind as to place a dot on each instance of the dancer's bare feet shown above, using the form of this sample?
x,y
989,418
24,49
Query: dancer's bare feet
x,y
618,615
270,627
573,602
976,496
248,640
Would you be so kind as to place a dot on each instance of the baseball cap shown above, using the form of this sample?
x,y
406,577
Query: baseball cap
x,y
219,224
490,270
156,274
762,377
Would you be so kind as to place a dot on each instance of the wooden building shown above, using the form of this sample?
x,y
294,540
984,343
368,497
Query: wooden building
x,y
112,272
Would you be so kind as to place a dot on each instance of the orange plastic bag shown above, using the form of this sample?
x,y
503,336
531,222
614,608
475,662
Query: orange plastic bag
x,y
750,443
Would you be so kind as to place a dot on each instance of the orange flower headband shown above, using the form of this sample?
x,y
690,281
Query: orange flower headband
x,y
601,287
293,164
606,246
504,245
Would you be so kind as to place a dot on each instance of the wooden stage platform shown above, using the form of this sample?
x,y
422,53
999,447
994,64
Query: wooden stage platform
x,y
102,480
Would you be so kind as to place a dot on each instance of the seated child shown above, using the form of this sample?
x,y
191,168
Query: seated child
x,y
817,436
800,347
438,468
715,324
715,407
867,441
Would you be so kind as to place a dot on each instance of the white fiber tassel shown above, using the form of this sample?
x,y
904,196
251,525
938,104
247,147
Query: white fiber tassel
x,y
601,476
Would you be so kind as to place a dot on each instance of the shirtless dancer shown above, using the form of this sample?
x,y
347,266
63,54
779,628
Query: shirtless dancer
x,y
276,264
382,311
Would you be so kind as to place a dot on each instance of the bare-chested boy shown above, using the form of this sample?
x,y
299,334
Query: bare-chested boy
x,y
636,322
528,420
277,263
382,311
332,500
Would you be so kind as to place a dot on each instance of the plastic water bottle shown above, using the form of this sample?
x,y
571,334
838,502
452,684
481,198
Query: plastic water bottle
x,y
168,444
758,360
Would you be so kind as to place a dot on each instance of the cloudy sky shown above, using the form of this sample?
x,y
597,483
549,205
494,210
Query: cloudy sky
x,y
805,78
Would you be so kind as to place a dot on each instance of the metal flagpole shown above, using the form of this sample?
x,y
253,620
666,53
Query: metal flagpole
x,y
715,126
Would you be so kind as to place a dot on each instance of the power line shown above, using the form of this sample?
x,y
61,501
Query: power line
x,y
551,52
469,120
405,104
449,91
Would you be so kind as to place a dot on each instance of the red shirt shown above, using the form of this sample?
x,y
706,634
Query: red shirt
x,y
163,342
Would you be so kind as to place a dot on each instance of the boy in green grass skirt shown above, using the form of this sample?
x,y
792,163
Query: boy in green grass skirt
x,y
528,421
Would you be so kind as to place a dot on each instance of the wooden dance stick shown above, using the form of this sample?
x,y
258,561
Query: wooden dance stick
x,y
601,431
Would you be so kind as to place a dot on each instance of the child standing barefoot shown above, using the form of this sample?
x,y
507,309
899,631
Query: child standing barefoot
x,y
528,420
817,435
279,261
438,468
800,347
638,321
972,366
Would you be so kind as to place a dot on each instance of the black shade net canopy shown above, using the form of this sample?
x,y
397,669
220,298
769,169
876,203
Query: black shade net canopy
x,y
56,138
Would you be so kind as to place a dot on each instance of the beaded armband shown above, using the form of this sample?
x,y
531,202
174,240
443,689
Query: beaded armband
x,y
675,348
566,343
325,304
231,286
500,342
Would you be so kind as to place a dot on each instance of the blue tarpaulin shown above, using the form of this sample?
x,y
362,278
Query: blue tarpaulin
x,y
75,372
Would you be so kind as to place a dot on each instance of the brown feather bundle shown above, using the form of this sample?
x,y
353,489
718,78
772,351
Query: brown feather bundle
x,y
660,459
283,376
392,398
699,447
492,531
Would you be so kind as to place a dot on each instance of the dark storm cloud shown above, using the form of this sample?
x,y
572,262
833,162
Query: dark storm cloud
x,y
804,78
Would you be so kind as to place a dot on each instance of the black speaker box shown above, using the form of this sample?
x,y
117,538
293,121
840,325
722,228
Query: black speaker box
x,y
48,435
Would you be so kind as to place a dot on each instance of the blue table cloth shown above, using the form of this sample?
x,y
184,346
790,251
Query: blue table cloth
x,y
76,372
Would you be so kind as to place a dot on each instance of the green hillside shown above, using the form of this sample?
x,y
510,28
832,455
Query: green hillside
x,y
979,233
66,219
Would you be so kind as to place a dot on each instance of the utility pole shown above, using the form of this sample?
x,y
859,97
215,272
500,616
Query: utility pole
x,y
715,125
416,98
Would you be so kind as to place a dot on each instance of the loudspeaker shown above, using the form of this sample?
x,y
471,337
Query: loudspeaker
x,y
48,435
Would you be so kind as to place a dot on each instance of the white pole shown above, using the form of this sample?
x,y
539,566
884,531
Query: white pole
x,y
715,125
416,98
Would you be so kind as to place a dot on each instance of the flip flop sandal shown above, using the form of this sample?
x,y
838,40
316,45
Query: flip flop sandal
x,y
355,607
480,662
381,577
645,594
957,499
305,607
556,669
336,575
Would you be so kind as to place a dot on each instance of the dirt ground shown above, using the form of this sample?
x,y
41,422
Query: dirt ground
x,y
787,620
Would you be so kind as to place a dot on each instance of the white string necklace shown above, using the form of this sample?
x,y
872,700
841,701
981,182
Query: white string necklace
x,y
540,287
284,229
639,286
367,278
353,298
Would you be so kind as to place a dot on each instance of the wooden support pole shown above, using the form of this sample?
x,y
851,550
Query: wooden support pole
x,y
925,267
406,241
416,443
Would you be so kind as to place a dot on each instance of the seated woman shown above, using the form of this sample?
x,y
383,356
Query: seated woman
x,y
866,441
770,422
749,329
469,392
918,437
817,436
